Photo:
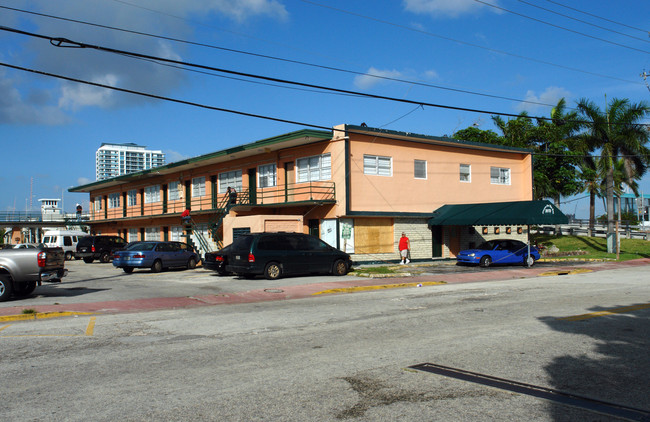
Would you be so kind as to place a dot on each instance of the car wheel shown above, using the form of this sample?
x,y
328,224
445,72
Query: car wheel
x,y
25,289
157,266
128,270
105,257
529,261
5,287
88,260
272,271
68,256
340,267
485,261
191,264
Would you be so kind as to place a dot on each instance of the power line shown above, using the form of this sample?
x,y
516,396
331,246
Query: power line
x,y
561,27
493,50
380,77
645,31
583,21
66,43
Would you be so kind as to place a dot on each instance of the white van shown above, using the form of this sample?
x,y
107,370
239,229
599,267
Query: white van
x,y
66,239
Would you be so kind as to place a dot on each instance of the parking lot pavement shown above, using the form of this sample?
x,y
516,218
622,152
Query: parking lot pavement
x,y
101,288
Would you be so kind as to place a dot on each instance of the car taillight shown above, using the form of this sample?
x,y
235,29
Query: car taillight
x,y
116,256
92,248
218,258
41,258
251,257
138,256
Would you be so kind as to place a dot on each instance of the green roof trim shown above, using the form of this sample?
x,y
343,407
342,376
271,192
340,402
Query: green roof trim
x,y
304,133
498,214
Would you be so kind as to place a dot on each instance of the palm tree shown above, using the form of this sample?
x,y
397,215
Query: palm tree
x,y
618,134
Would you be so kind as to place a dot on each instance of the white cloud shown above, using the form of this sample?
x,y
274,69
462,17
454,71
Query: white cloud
x,y
35,107
374,76
451,8
551,96
77,96
83,181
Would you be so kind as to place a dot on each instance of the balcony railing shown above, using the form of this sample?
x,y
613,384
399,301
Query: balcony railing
x,y
295,193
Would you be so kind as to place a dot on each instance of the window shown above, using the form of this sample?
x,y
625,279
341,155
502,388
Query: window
x,y
266,175
380,166
499,176
152,233
132,197
152,194
312,169
176,234
230,178
98,203
114,200
174,189
198,187
465,173
133,235
420,169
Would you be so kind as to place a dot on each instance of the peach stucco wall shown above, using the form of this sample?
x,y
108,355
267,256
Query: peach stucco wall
x,y
402,192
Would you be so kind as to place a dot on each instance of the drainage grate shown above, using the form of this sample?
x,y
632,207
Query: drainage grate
x,y
569,399
274,290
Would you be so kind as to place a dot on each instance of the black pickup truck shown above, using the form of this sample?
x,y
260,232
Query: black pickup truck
x,y
21,270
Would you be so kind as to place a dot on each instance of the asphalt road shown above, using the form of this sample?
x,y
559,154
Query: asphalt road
x,y
345,356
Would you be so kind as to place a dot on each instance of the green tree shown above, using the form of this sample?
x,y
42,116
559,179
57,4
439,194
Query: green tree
x,y
617,133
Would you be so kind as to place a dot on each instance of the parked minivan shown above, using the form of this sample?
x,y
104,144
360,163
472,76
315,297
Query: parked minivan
x,y
278,254
66,239
91,248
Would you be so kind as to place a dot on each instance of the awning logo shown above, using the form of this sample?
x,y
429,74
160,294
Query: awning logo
x,y
548,210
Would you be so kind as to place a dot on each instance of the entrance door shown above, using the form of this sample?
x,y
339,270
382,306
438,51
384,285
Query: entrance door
x,y
436,236
454,240
313,228
289,181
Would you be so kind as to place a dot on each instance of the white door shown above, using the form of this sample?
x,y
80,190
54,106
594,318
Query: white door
x,y
328,232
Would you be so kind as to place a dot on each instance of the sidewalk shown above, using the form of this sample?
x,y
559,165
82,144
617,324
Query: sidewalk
x,y
412,275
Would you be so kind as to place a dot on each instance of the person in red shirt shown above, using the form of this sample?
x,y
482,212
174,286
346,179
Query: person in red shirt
x,y
185,217
404,249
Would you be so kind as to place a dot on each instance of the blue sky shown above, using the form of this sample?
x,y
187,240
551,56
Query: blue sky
x,y
505,59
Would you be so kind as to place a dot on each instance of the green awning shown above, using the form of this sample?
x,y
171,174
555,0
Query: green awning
x,y
498,214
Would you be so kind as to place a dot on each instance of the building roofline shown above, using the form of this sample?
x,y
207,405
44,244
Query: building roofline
x,y
437,140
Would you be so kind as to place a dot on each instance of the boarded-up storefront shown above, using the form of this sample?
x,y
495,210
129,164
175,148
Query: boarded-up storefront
x,y
373,235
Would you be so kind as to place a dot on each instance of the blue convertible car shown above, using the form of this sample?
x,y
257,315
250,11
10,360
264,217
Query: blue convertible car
x,y
499,251
155,255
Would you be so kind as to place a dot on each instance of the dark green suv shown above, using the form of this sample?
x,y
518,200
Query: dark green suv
x,y
277,254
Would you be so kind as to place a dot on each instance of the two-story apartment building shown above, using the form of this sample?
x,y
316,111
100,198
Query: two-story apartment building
x,y
357,188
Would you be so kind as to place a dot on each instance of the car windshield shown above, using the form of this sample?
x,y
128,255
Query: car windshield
x,y
141,246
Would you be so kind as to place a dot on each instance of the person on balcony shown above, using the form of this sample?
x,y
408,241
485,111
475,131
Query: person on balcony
x,y
232,195
185,216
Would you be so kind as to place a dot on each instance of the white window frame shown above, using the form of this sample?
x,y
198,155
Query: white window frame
x,y
232,179
502,176
267,175
174,191
415,169
132,235
152,234
468,173
377,165
152,194
198,187
98,203
113,200
132,198
313,169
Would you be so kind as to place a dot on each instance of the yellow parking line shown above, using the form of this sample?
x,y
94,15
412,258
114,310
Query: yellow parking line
x,y
605,313
40,315
91,326
379,287
2,328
